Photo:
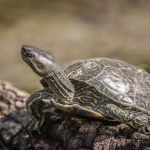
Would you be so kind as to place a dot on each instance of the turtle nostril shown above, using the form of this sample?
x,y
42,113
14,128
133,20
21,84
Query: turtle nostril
x,y
23,51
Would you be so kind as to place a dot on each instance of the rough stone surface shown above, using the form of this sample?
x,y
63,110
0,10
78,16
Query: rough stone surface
x,y
61,131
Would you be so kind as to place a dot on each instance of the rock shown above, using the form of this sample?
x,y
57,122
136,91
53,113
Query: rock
x,y
61,130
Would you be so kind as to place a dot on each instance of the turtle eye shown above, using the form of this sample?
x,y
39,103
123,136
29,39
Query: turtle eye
x,y
28,54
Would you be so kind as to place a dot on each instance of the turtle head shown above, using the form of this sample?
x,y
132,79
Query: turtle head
x,y
46,67
40,62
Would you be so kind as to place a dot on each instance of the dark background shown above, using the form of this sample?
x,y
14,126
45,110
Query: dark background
x,y
72,29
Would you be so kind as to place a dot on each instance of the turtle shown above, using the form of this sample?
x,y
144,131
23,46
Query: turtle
x,y
101,88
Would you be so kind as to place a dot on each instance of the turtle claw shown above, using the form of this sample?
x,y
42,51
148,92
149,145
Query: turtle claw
x,y
32,125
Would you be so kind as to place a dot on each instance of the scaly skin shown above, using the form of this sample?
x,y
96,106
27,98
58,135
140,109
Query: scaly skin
x,y
44,65
61,93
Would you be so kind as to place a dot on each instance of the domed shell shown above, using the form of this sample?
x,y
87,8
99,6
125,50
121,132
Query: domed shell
x,y
118,80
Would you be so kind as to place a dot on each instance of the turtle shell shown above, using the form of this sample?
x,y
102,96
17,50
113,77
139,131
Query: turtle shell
x,y
118,80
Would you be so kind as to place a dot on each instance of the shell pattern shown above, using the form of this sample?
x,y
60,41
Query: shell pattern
x,y
118,80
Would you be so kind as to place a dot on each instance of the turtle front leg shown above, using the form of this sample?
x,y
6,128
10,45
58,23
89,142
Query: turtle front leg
x,y
74,108
33,105
137,120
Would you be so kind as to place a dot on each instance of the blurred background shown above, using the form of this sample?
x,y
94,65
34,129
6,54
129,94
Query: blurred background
x,y
72,29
